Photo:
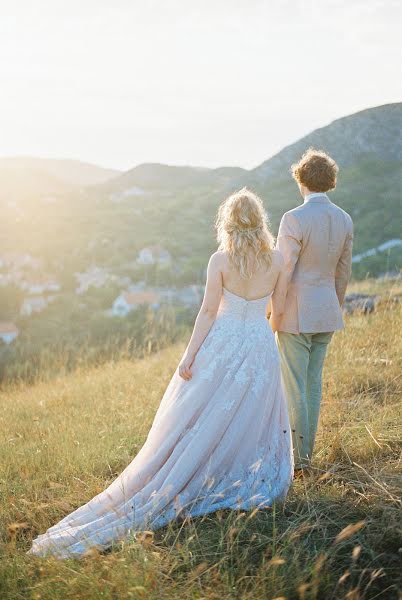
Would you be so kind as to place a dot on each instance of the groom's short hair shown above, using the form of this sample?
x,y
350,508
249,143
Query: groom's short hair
x,y
316,170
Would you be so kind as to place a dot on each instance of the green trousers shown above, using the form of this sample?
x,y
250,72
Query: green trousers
x,y
302,360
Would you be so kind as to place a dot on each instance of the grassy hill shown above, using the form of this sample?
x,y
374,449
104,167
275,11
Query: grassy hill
x,y
366,145
167,178
338,535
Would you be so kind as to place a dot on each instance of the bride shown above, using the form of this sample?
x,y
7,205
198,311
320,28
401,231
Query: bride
x,y
220,438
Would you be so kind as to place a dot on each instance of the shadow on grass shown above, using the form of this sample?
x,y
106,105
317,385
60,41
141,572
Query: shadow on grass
x,y
296,550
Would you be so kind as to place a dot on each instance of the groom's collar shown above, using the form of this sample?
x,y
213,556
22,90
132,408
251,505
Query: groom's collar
x,y
316,197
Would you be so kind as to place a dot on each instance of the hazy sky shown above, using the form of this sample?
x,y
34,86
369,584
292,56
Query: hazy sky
x,y
203,82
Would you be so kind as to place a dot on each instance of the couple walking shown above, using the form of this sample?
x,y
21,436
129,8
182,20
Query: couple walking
x,y
240,414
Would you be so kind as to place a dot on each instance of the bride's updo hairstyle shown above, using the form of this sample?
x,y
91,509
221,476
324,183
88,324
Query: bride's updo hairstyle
x,y
243,232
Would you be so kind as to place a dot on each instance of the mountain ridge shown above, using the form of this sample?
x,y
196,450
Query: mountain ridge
x,y
341,131
370,133
67,170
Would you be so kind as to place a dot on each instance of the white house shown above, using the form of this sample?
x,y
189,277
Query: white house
x,y
154,255
128,301
8,332
17,261
120,280
33,304
127,193
94,276
138,286
39,287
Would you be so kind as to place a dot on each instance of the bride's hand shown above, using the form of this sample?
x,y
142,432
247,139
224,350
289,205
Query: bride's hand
x,y
274,324
185,367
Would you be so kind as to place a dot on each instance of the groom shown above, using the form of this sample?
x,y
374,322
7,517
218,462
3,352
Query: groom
x,y
315,240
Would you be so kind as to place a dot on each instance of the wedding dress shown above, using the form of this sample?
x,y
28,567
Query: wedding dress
x,y
219,441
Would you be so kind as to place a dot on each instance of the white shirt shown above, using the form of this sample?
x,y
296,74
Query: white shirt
x,y
308,197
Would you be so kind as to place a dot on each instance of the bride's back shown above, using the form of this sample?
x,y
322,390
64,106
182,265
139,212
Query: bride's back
x,y
249,264
260,284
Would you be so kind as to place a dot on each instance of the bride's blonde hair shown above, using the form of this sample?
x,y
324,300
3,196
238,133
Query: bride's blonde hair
x,y
243,232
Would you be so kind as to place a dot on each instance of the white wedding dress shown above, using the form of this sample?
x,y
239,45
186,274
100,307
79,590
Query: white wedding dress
x,y
218,441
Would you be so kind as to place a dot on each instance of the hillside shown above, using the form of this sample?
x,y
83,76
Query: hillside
x,y
175,206
165,179
27,184
366,146
59,234
338,535
371,134
67,172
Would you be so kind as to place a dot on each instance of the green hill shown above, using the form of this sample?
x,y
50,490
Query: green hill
x,y
176,205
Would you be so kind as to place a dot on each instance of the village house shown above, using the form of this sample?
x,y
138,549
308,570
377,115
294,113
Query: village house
x,y
128,301
154,255
93,277
127,193
33,304
8,332
120,280
190,296
18,261
138,286
40,286
4,279
15,277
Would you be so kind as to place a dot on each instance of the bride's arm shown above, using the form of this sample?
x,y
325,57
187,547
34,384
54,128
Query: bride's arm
x,y
206,315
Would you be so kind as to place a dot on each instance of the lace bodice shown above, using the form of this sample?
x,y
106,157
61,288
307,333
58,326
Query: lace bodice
x,y
240,330
239,319
236,307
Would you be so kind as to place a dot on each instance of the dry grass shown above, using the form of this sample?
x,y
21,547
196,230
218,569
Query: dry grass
x,y
336,537
385,287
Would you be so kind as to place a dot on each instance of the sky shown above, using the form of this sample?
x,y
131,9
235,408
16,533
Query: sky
x,y
200,82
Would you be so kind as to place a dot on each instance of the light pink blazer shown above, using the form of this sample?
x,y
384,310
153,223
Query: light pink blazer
x,y
315,240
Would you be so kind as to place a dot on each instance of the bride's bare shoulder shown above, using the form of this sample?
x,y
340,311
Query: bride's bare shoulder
x,y
219,259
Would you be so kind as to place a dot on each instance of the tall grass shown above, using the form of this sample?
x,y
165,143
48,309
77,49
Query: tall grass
x,y
337,536
97,342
